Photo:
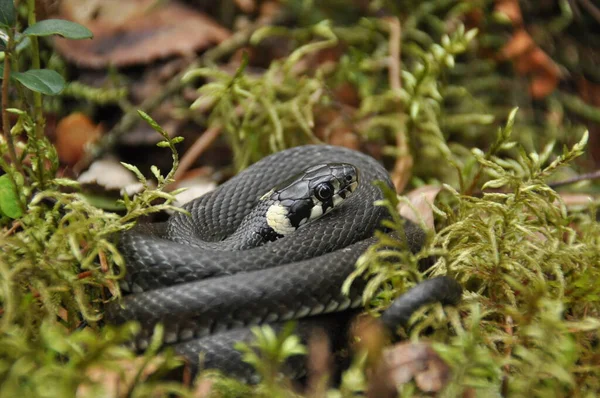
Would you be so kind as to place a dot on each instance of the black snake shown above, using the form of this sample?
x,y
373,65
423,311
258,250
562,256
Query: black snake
x,y
206,288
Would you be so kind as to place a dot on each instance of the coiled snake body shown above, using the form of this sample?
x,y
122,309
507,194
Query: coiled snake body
x,y
189,275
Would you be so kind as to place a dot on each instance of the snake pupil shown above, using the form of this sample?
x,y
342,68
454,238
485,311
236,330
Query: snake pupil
x,y
324,191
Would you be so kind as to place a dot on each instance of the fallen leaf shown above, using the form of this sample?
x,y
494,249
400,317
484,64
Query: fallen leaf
x,y
114,12
421,200
519,44
404,163
162,31
73,134
111,175
418,361
195,187
527,57
511,9
543,84
247,6
334,126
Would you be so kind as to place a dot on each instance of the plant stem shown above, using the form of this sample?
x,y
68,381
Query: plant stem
x,y
594,175
5,117
37,97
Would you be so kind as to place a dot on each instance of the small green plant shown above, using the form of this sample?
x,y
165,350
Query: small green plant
x,y
530,320
60,252
532,277
268,353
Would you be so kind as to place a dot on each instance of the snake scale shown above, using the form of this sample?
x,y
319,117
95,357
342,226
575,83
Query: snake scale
x,y
187,274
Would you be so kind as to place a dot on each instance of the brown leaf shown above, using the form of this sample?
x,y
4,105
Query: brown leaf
x,y
163,31
247,6
519,44
421,199
511,9
334,127
110,175
73,134
113,12
418,361
527,56
543,84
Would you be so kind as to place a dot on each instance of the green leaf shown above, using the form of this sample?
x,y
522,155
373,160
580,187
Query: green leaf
x,y
7,13
68,29
9,201
43,81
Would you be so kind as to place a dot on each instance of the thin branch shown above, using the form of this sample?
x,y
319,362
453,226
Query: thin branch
x,y
594,175
197,149
38,111
395,46
5,116
404,161
592,9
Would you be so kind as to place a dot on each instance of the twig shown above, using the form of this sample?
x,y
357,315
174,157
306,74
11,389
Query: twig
x,y
6,125
38,110
201,144
395,50
5,117
594,175
574,8
592,9
319,364
15,225
404,161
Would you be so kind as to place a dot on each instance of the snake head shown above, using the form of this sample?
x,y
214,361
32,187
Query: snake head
x,y
309,195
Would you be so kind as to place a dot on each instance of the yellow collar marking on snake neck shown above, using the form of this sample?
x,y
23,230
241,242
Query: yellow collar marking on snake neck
x,y
277,218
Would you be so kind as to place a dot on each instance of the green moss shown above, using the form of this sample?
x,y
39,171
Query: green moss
x,y
530,319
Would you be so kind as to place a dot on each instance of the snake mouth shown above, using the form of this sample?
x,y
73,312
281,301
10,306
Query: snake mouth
x,y
348,190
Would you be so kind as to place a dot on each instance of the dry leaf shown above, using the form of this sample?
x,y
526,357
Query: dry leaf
x,y
73,134
247,6
163,31
526,55
334,126
418,361
511,9
111,175
195,187
421,199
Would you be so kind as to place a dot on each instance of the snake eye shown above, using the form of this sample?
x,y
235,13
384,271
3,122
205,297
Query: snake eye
x,y
349,178
324,191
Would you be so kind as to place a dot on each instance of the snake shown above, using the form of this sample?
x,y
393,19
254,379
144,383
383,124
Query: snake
x,y
272,244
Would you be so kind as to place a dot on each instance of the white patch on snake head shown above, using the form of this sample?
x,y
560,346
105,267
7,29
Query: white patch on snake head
x,y
316,211
337,199
277,218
